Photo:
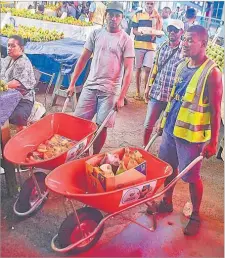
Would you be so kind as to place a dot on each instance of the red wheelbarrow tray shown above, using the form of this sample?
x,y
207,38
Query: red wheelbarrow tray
x,y
26,141
69,180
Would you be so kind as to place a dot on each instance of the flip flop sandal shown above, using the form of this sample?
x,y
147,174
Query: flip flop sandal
x,y
138,97
161,207
193,225
146,101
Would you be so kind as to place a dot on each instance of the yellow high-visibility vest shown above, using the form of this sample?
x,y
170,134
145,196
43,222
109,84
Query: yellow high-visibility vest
x,y
193,119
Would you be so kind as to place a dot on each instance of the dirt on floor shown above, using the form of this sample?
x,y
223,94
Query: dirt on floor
x,y
31,237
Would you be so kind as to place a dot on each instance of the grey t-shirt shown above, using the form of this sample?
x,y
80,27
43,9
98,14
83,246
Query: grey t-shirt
x,y
107,67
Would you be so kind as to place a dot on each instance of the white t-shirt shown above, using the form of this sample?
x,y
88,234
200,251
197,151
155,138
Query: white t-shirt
x,y
107,67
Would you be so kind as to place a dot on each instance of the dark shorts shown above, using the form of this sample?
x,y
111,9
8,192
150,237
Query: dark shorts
x,y
21,113
179,153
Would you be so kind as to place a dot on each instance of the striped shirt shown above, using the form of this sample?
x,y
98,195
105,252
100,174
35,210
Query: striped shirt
x,y
144,20
161,82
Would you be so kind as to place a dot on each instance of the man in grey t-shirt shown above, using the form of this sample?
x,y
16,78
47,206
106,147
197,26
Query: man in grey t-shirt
x,y
110,73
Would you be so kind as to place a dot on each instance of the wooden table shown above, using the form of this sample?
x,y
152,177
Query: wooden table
x,y
8,102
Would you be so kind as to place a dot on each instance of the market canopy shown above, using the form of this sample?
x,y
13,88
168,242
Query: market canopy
x,y
64,52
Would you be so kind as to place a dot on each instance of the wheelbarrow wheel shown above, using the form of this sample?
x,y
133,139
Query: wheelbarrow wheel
x,y
70,233
28,195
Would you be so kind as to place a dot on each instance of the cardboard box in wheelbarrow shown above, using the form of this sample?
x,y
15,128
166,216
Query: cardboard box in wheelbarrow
x,y
102,177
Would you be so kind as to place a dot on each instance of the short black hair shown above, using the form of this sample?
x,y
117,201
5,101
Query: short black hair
x,y
20,40
190,13
167,7
200,30
41,8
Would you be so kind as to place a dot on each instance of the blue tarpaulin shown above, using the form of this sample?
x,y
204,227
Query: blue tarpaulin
x,y
54,56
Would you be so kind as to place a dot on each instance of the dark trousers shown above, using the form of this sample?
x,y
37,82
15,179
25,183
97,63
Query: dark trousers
x,y
21,113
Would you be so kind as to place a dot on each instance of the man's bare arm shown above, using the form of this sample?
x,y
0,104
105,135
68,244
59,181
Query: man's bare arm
x,y
128,70
215,90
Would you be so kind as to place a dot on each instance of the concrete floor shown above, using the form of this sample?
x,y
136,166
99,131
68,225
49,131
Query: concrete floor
x,y
167,241
31,237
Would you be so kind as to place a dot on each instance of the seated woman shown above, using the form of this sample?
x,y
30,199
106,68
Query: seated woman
x,y
17,71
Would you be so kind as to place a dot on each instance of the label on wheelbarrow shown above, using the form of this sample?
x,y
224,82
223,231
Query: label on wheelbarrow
x,y
76,150
138,192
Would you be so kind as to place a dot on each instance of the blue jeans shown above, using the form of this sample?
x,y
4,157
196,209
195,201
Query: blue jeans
x,y
179,153
154,110
95,102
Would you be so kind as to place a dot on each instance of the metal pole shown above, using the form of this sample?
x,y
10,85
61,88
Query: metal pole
x,y
204,9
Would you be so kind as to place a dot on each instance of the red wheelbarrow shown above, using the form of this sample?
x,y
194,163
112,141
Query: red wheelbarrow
x,y
34,191
83,228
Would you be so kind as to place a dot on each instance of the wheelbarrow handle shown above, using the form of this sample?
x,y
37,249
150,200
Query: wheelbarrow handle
x,y
98,131
152,140
66,103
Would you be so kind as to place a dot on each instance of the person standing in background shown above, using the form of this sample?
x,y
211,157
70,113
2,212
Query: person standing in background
x,y
145,43
97,13
135,8
163,75
177,13
62,9
190,18
166,11
71,10
84,11
67,10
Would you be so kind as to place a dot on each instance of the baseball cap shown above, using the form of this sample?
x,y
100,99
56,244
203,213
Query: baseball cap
x,y
115,6
176,23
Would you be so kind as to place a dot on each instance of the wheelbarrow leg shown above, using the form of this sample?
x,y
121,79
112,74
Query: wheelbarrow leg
x,y
77,217
65,200
19,176
35,182
152,206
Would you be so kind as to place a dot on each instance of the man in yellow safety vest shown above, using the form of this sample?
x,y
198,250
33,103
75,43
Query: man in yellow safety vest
x,y
191,120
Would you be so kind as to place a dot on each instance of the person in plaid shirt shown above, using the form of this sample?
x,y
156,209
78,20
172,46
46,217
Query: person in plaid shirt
x,y
162,77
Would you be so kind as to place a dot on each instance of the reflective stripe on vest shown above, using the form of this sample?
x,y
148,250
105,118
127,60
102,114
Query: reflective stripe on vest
x,y
193,120
194,128
196,107
195,137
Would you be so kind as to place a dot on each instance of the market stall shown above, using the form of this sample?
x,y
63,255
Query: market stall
x,y
71,31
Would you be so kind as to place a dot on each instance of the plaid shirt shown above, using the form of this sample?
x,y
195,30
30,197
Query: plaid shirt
x,y
161,82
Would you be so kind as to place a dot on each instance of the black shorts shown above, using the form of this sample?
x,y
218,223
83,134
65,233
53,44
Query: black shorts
x,y
21,113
